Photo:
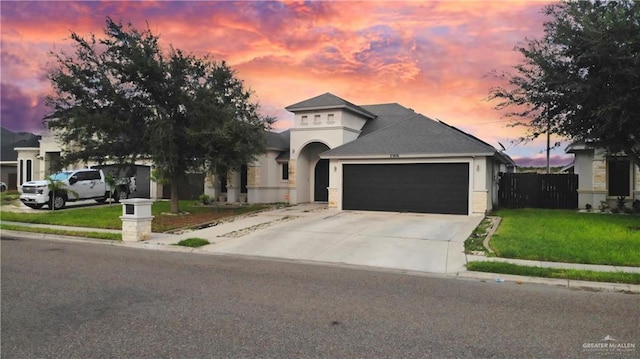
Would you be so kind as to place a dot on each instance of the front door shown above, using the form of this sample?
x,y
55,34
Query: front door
x,y
321,180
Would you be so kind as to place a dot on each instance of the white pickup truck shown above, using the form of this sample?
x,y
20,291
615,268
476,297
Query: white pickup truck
x,y
79,185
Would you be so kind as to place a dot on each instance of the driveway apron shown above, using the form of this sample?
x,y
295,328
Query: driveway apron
x,y
402,241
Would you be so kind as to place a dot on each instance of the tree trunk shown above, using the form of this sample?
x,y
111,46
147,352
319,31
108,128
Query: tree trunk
x,y
175,205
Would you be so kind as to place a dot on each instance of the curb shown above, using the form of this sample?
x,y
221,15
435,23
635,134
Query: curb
x,y
75,239
464,275
567,283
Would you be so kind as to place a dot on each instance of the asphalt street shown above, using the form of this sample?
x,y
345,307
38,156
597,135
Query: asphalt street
x,y
80,300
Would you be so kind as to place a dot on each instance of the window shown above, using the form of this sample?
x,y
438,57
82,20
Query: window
x,y
87,175
81,176
285,171
316,119
304,119
618,180
93,175
29,170
21,172
330,118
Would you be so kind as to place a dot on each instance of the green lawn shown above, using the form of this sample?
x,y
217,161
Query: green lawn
x,y
508,268
103,216
64,232
108,216
568,236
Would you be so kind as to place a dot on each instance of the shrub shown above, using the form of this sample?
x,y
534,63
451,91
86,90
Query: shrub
x,y
604,206
204,199
193,242
620,203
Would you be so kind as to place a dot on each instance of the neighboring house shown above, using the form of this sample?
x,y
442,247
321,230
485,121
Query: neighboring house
x,y
36,159
603,177
382,157
14,168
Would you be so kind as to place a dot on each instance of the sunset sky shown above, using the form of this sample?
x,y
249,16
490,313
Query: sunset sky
x,y
434,57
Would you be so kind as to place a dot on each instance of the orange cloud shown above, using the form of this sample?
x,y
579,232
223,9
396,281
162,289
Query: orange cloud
x,y
430,56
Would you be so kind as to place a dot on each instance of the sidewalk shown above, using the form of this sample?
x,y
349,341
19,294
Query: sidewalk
x,y
569,283
543,264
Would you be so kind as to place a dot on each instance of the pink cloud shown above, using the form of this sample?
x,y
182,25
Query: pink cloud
x,y
430,56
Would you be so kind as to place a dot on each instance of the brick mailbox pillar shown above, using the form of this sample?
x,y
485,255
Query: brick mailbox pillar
x,y
136,219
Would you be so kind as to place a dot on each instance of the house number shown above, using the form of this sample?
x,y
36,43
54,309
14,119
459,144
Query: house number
x,y
394,155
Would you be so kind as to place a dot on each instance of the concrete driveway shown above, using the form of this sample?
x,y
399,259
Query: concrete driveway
x,y
403,241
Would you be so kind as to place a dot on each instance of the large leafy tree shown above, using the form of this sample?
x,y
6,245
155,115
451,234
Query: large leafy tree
x,y
581,80
121,98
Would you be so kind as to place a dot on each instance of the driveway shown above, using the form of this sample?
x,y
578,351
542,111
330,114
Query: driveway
x,y
402,241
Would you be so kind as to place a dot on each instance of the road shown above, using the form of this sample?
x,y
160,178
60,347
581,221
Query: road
x,y
80,300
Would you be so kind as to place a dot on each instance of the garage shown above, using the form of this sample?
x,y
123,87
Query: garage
x,y
142,174
412,187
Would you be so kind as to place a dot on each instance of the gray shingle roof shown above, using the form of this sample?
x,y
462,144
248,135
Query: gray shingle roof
x,y
278,140
31,142
9,140
413,135
386,115
328,101
8,154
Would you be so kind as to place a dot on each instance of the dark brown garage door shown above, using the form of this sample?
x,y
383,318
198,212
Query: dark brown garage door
x,y
423,188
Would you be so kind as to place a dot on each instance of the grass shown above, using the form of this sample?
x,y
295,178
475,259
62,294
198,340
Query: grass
x,y
568,236
108,217
104,216
508,268
9,197
64,232
193,242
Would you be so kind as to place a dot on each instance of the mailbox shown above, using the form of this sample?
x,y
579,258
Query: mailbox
x,y
136,219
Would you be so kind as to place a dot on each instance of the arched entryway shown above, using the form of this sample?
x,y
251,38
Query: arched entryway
x,y
312,174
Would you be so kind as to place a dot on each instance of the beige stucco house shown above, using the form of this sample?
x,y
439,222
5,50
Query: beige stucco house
x,y
34,162
603,177
383,157
376,157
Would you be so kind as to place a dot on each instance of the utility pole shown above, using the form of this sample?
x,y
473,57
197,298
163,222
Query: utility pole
x,y
548,146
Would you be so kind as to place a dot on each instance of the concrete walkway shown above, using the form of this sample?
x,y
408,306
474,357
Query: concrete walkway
x,y
404,242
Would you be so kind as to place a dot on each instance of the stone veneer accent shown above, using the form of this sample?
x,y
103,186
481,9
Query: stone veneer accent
x,y
333,197
134,229
600,175
479,201
253,176
292,173
210,180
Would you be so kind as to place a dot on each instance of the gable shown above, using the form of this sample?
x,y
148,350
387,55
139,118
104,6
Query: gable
x,y
328,101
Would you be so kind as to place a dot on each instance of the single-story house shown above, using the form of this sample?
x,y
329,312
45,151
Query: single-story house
x,y
10,165
603,177
35,160
382,157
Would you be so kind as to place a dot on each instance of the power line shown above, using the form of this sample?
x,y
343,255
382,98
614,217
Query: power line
x,y
488,123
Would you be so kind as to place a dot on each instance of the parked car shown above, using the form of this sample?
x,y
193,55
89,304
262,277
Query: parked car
x,y
77,185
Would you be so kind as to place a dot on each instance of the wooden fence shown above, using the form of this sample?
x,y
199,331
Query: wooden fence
x,y
519,190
